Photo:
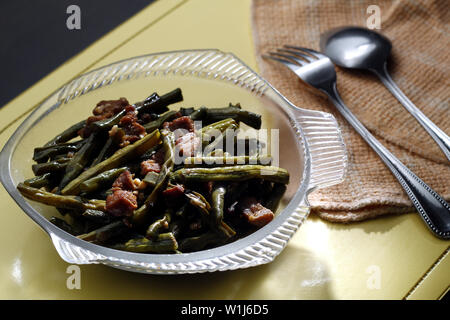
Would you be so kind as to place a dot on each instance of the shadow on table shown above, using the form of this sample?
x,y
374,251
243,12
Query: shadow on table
x,y
294,274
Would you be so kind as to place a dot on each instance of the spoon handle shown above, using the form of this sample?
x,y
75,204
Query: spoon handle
x,y
436,133
433,209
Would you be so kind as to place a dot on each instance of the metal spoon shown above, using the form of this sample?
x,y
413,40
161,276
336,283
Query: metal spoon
x,y
360,48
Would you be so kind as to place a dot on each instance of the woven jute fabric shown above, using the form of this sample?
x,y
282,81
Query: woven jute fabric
x,y
419,64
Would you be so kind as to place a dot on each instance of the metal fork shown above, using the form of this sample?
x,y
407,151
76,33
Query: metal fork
x,y
318,71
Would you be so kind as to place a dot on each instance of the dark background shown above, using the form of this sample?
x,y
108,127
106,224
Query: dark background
x,y
35,39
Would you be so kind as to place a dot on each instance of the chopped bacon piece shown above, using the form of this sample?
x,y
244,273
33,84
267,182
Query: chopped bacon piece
x,y
103,110
185,123
121,203
174,191
255,213
124,181
187,144
132,130
108,108
150,166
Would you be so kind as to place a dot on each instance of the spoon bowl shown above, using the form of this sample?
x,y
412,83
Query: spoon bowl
x,y
356,48
364,49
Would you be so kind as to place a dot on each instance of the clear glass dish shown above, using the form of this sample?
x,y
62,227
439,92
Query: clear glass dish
x,y
311,149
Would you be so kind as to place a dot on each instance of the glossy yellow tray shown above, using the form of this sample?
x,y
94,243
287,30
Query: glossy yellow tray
x,y
390,258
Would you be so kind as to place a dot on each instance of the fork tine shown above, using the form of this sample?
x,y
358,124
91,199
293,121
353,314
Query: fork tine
x,y
298,54
314,53
271,55
290,57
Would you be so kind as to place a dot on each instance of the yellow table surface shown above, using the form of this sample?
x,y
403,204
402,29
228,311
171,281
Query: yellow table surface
x,y
389,258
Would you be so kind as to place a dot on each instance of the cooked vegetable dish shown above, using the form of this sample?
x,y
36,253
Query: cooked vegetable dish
x,y
147,179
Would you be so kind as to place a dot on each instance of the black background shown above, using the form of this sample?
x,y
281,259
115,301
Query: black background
x,y
35,39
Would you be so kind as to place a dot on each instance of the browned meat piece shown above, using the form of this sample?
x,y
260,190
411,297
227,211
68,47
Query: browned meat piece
x,y
174,191
150,166
103,110
187,144
132,129
255,213
185,123
121,203
124,182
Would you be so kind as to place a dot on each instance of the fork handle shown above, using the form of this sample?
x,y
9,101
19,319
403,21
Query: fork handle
x,y
435,132
433,209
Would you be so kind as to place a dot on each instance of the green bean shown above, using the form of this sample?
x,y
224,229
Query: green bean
x,y
155,228
60,223
39,181
275,196
235,112
118,158
105,233
106,149
59,201
213,161
221,128
42,154
67,134
49,167
154,104
101,180
157,123
96,216
202,205
79,161
164,243
168,142
151,178
199,114
218,201
233,173
200,242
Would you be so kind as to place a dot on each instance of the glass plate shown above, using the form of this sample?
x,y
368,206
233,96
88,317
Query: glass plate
x,y
310,148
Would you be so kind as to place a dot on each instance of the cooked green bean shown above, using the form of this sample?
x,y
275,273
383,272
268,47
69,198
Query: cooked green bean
x,y
164,243
60,223
102,155
275,196
157,123
118,158
234,112
39,181
79,161
218,203
179,206
59,201
213,161
200,242
101,180
49,167
151,178
96,216
105,233
67,134
154,103
42,154
161,224
233,173
168,141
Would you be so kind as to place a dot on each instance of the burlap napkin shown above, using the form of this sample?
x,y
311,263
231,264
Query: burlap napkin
x,y
420,33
